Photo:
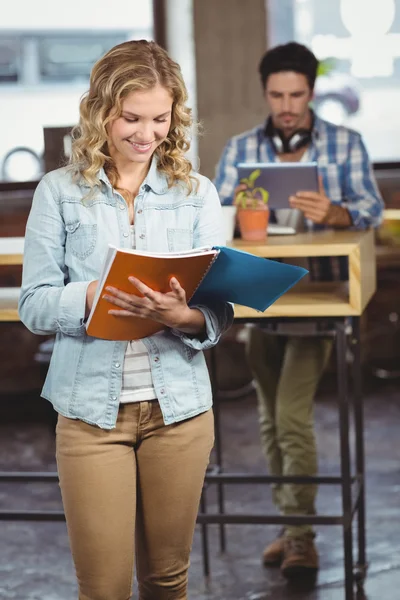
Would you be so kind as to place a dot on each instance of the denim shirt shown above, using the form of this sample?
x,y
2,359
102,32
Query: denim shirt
x,y
67,236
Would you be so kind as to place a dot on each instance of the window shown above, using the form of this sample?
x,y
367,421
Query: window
x,y
9,60
65,59
360,42
47,50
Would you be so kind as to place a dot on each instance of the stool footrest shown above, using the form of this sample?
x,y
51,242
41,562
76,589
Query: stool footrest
x,y
32,515
252,519
216,476
26,476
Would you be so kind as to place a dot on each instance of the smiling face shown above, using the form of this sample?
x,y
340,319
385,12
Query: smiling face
x,y
143,125
288,95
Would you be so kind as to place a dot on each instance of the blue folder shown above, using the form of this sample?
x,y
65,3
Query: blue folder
x,y
243,278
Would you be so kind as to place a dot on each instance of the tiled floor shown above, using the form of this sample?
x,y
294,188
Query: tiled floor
x,y
34,557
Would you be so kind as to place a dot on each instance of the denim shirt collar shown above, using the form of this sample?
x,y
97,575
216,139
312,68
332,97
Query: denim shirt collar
x,y
155,180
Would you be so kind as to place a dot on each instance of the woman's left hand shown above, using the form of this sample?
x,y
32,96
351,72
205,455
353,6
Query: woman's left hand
x,y
169,309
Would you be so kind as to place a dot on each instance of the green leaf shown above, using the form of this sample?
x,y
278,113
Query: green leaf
x,y
253,176
241,199
326,66
263,193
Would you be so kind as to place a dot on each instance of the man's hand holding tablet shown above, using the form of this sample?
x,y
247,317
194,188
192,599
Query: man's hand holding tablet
x,y
317,207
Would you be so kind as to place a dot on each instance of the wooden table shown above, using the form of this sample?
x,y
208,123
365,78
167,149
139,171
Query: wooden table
x,y
333,302
338,299
11,253
306,299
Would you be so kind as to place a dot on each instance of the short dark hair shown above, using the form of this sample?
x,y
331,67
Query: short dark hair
x,y
289,57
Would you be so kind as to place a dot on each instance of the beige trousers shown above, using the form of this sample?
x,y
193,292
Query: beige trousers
x,y
287,371
132,492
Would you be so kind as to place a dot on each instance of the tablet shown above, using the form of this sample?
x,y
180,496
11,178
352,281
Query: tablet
x,y
281,179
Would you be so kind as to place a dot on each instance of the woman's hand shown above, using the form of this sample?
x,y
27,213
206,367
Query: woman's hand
x,y
169,309
90,293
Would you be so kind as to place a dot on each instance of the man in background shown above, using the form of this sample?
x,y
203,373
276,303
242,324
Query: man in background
x,y
288,367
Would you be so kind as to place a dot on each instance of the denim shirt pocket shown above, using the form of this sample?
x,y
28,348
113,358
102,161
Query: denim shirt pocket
x,y
179,239
81,239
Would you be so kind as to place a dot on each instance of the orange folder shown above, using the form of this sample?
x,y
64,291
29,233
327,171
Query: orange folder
x,y
155,270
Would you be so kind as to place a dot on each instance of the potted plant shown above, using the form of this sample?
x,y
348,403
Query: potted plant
x,y
252,209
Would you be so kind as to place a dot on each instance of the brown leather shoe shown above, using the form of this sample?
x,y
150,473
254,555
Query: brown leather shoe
x,y
300,557
273,553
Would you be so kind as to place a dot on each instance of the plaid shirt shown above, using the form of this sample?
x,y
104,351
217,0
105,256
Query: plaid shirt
x,y
346,173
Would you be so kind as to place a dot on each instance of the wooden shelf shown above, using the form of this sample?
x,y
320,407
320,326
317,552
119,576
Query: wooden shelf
x,y
320,300
391,214
314,299
11,250
320,243
9,304
305,300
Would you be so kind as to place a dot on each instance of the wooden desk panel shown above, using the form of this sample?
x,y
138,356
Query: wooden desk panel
x,y
317,243
316,299
362,272
312,300
9,304
11,250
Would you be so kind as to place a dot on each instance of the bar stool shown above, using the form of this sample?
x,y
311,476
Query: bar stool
x,y
352,485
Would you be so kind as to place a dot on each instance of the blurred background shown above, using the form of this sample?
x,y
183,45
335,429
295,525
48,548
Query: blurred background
x,y
47,50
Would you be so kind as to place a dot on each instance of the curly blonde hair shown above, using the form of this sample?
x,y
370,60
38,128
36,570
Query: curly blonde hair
x,y
128,67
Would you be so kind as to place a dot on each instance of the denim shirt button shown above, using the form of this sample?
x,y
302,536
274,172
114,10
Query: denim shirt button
x,y
121,207
126,234
114,398
162,391
142,236
156,359
117,365
139,212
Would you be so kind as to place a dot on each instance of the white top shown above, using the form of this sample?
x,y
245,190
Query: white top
x,y
137,382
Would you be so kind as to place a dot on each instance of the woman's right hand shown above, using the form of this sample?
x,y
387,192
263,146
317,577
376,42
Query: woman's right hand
x,y
90,293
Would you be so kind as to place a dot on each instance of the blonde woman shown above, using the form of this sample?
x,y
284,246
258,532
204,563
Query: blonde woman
x,y
135,426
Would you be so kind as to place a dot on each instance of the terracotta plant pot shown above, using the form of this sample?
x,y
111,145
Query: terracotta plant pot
x,y
253,223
